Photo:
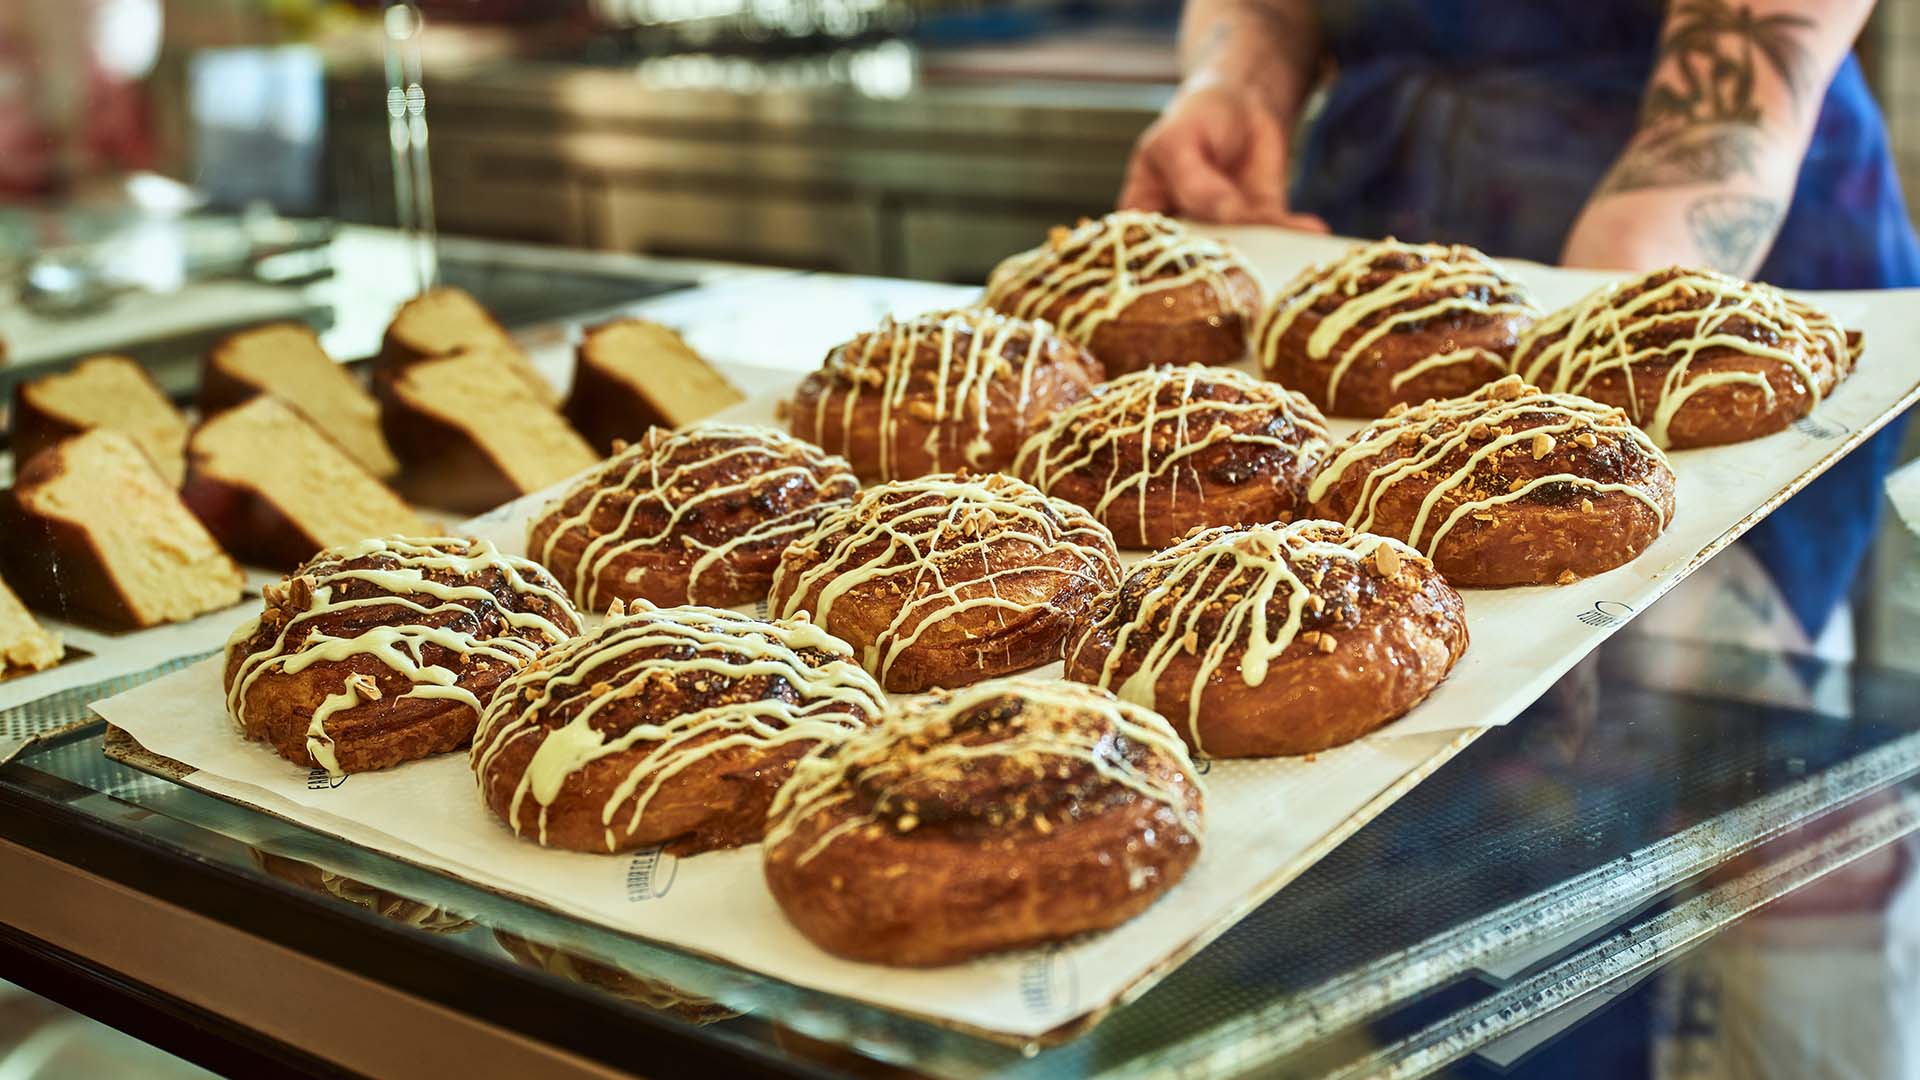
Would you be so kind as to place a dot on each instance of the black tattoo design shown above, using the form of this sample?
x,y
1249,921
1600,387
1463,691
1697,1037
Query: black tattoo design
x,y
1708,61
1710,154
1733,231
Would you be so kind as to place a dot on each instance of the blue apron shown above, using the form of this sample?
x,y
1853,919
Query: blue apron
x,y
1489,122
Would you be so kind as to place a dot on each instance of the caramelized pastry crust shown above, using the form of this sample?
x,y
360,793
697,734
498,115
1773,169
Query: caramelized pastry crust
x,y
945,390
384,651
1393,323
1136,289
1696,358
948,579
670,726
993,817
697,515
1160,452
1276,639
388,905
1507,486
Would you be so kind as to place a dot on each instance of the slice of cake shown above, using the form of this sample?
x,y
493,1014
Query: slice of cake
x,y
632,374
110,392
286,361
92,533
274,489
444,321
24,646
470,437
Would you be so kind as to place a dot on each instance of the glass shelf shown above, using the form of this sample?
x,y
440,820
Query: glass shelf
x,y
1650,800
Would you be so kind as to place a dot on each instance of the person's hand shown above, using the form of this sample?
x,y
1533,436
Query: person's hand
x,y
1216,155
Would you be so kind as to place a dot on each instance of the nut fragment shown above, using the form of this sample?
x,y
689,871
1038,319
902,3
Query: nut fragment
x,y
1507,389
1587,439
1386,560
1326,643
1542,445
1479,431
1586,506
1567,577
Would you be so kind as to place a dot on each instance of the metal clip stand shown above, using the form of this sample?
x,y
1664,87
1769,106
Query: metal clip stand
x,y
407,139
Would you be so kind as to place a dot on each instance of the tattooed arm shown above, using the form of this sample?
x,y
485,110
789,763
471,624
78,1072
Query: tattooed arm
x,y
1219,151
1726,119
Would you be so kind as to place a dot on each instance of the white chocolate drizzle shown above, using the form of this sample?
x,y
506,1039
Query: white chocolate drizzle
x,y
1057,721
602,673
1579,344
939,545
1251,584
1441,285
973,352
1477,428
669,472
1098,270
1157,409
405,587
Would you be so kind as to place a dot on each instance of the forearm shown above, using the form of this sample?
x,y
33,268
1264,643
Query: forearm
x,y
1267,47
1729,111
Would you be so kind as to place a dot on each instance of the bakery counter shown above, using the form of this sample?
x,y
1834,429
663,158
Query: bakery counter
x,y
1668,809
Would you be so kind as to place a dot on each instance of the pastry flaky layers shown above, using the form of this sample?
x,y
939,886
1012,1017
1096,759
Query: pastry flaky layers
x,y
1276,639
697,515
1393,323
940,391
669,726
949,579
1509,485
993,817
383,651
1696,358
1157,453
1136,289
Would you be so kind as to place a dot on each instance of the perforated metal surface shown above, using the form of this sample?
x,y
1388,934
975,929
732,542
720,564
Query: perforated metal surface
x,y
69,708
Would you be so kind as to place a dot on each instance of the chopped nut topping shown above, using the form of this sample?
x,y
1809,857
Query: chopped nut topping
x,y
1586,506
907,823
1567,577
1507,389
1191,642
1398,408
1479,431
1516,484
1316,602
1542,445
1587,439
1326,643
922,410
1386,560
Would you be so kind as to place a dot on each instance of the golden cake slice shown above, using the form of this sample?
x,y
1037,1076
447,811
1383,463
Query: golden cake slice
x,y
110,392
631,374
286,361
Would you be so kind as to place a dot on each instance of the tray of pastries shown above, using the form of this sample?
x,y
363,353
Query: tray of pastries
x,y
1028,638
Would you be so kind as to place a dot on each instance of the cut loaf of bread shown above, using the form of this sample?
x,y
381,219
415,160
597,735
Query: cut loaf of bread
x,y
24,646
470,437
632,374
274,489
286,361
109,392
443,321
92,533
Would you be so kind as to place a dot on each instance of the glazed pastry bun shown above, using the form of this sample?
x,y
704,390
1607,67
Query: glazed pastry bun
x,y
941,391
1276,639
383,651
948,579
994,817
1393,323
1159,452
1696,358
696,515
1509,485
670,726
1136,289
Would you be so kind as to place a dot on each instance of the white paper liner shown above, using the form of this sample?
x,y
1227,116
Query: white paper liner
x,y
1267,820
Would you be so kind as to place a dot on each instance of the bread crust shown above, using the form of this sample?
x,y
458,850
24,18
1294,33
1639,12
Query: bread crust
x,y
1695,357
948,579
56,565
351,621
944,390
737,701
1393,323
1137,289
699,515
1507,486
895,849
1157,453
1276,639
